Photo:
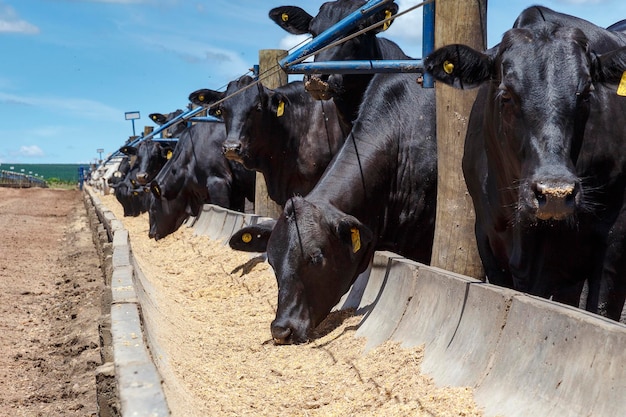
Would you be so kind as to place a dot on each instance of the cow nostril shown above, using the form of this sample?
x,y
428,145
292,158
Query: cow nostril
x,y
554,200
281,335
540,197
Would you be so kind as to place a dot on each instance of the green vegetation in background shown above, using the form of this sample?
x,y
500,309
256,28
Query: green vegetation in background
x,y
52,173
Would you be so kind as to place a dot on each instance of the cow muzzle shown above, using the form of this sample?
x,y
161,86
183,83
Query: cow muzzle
x,y
142,178
285,333
554,200
232,151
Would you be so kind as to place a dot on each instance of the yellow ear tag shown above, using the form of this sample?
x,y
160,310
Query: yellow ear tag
x,y
285,17
169,155
246,237
448,67
621,88
281,109
387,23
356,239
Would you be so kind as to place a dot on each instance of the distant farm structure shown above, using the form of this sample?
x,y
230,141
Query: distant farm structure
x,y
20,180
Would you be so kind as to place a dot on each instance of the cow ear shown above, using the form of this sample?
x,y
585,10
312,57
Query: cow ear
x,y
205,97
167,152
252,238
158,118
292,19
389,11
128,150
610,68
278,103
459,66
354,234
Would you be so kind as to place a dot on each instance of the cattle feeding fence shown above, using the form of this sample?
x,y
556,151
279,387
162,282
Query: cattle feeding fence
x,y
336,35
19,180
333,36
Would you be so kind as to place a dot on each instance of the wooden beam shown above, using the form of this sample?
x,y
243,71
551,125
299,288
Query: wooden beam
x,y
454,247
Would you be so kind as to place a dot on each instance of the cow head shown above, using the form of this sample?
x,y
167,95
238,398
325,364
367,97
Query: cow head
x,y
166,216
151,157
317,252
172,176
247,112
298,22
134,199
542,81
161,119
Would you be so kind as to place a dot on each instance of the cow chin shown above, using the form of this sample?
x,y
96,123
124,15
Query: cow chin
x,y
233,156
318,88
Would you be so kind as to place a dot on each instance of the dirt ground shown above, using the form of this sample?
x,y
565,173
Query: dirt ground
x,y
211,309
50,292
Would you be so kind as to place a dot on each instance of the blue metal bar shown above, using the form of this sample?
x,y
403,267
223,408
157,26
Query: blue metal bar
x,y
358,67
178,119
336,31
428,39
207,119
164,139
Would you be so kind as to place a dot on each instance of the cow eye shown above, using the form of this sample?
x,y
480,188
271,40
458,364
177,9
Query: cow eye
x,y
259,107
584,94
317,258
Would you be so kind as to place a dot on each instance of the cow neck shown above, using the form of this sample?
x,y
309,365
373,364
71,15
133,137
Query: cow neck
x,y
194,158
334,189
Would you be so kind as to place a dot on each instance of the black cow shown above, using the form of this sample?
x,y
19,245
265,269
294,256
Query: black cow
x,y
284,133
345,89
378,193
197,174
545,156
150,156
133,197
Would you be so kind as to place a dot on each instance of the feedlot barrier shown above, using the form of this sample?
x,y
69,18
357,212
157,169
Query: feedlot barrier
x,y
523,355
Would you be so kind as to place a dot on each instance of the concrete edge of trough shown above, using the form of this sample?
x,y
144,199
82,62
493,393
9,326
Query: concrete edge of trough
x,y
139,384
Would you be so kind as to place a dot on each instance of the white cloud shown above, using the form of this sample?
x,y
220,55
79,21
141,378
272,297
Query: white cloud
x,y
10,22
30,151
292,41
76,107
406,30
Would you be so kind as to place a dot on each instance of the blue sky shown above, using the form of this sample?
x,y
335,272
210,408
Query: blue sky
x,y
70,69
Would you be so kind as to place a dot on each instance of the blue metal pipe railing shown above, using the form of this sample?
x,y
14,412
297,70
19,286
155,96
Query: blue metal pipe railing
x,y
334,32
357,67
291,64
185,116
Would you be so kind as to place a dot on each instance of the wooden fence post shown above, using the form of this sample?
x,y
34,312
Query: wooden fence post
x,y
454,248
271,77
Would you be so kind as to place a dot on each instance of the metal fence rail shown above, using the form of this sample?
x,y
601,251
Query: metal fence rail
x,y
19,180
